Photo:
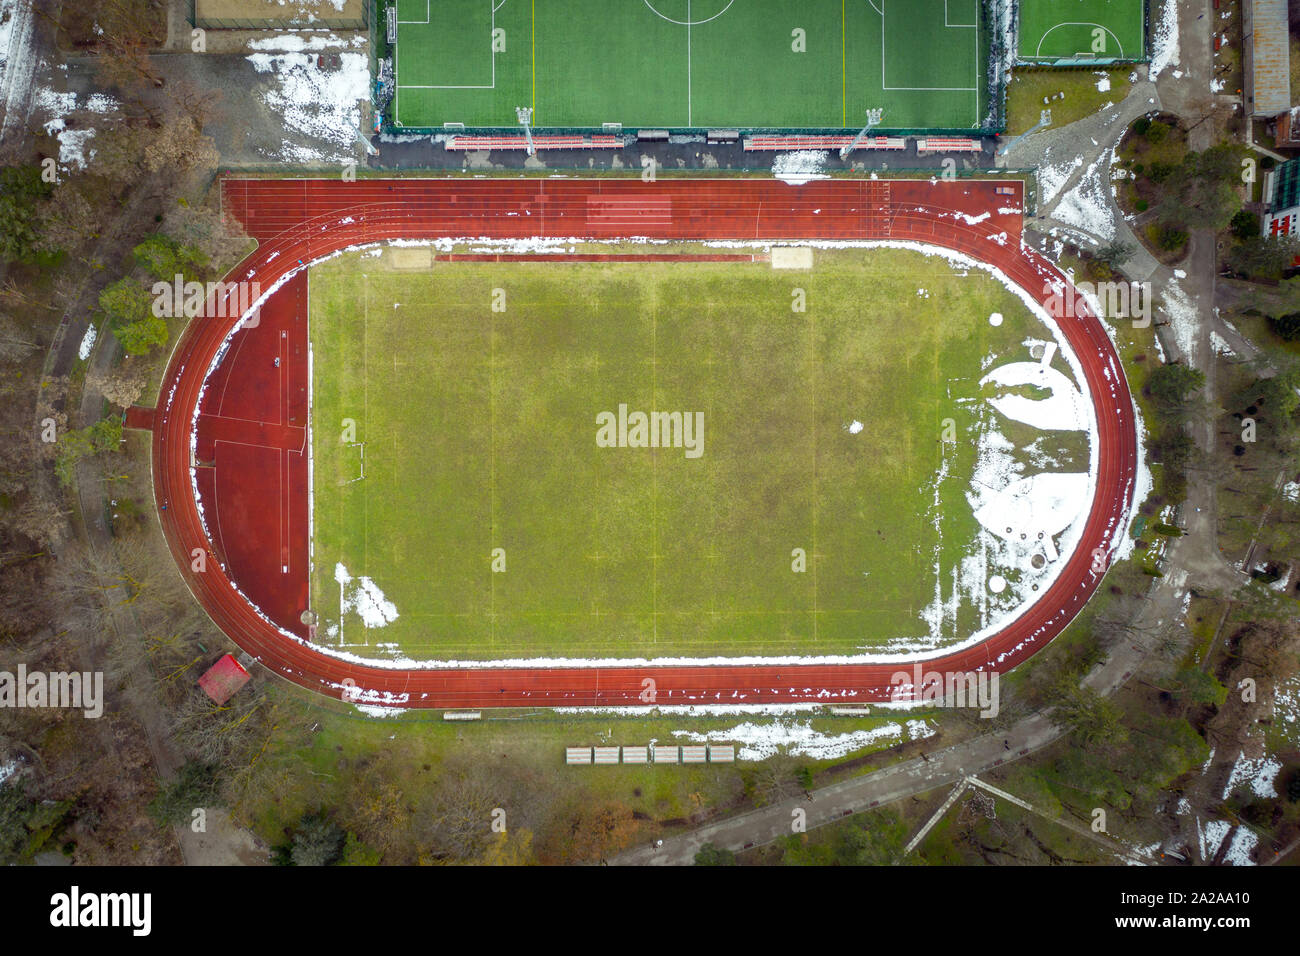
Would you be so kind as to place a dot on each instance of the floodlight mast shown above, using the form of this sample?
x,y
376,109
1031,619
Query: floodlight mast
x,y
1044,119
873,120
525,116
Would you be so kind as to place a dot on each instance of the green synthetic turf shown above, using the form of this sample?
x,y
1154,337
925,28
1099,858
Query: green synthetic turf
x,y
1061,29
479,432
582,63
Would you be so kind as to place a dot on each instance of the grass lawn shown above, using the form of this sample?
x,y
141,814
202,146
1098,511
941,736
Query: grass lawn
x,y
345,765
479,431
1100,29
690,63
1029,87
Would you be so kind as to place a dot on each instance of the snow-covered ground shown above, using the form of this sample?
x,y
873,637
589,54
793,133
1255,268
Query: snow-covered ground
x,y
1258,774
1286,709
365,598
760,741
73,121
87,342
801,166
321,105
1052,177
1087,205
1165,50
1183,322
296,43
18,63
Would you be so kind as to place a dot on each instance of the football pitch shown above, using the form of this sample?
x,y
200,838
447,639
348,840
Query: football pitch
x,y
691,63
1091,29
482,488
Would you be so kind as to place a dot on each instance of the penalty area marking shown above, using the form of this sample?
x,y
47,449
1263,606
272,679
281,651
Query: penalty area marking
x,y
1038,50
492,53
884,84
426,15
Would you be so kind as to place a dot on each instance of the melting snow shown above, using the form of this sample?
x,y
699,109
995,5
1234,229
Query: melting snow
x,y
87,343
320,104
1164,48
801,166
1182,319
1052,178
365,598
1087,206
1259,773
760,741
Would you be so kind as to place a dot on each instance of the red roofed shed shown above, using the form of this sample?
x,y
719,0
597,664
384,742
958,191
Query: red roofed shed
x,y
224,678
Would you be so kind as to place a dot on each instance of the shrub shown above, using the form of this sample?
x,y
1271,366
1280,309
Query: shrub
x,y
195,787
1245,224
1286,326
710,855
164,258
1160,172
318,842
1170,238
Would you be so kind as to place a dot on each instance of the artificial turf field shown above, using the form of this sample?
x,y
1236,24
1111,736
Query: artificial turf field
x,y
1092,29
480,432
691,63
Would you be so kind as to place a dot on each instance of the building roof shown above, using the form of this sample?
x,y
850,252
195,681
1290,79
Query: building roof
x,y
1288,128
1271,63
1286,186
224,678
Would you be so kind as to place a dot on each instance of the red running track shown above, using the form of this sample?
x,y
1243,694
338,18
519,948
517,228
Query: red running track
x,y
298,221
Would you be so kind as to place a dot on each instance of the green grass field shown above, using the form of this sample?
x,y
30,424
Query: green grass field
x,y
691,63
478,431
1092,29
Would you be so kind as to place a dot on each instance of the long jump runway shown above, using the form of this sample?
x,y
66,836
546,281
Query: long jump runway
x,y
231,421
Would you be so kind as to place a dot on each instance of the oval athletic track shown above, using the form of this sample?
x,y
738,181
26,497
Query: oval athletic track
x,y
303,220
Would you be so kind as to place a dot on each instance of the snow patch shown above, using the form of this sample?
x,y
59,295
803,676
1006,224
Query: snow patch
x,y
365,598
1164,48
87,343
319,104
801,166
761,741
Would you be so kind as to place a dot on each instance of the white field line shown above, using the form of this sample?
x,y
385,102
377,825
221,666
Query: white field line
x,y
1038,50
493,53
991,627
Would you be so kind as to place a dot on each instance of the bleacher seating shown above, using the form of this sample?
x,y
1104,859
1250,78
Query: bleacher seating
x,y
753,143
947,144
539,142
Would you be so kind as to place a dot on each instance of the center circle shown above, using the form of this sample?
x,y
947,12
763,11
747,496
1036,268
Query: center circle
x,y
695,14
